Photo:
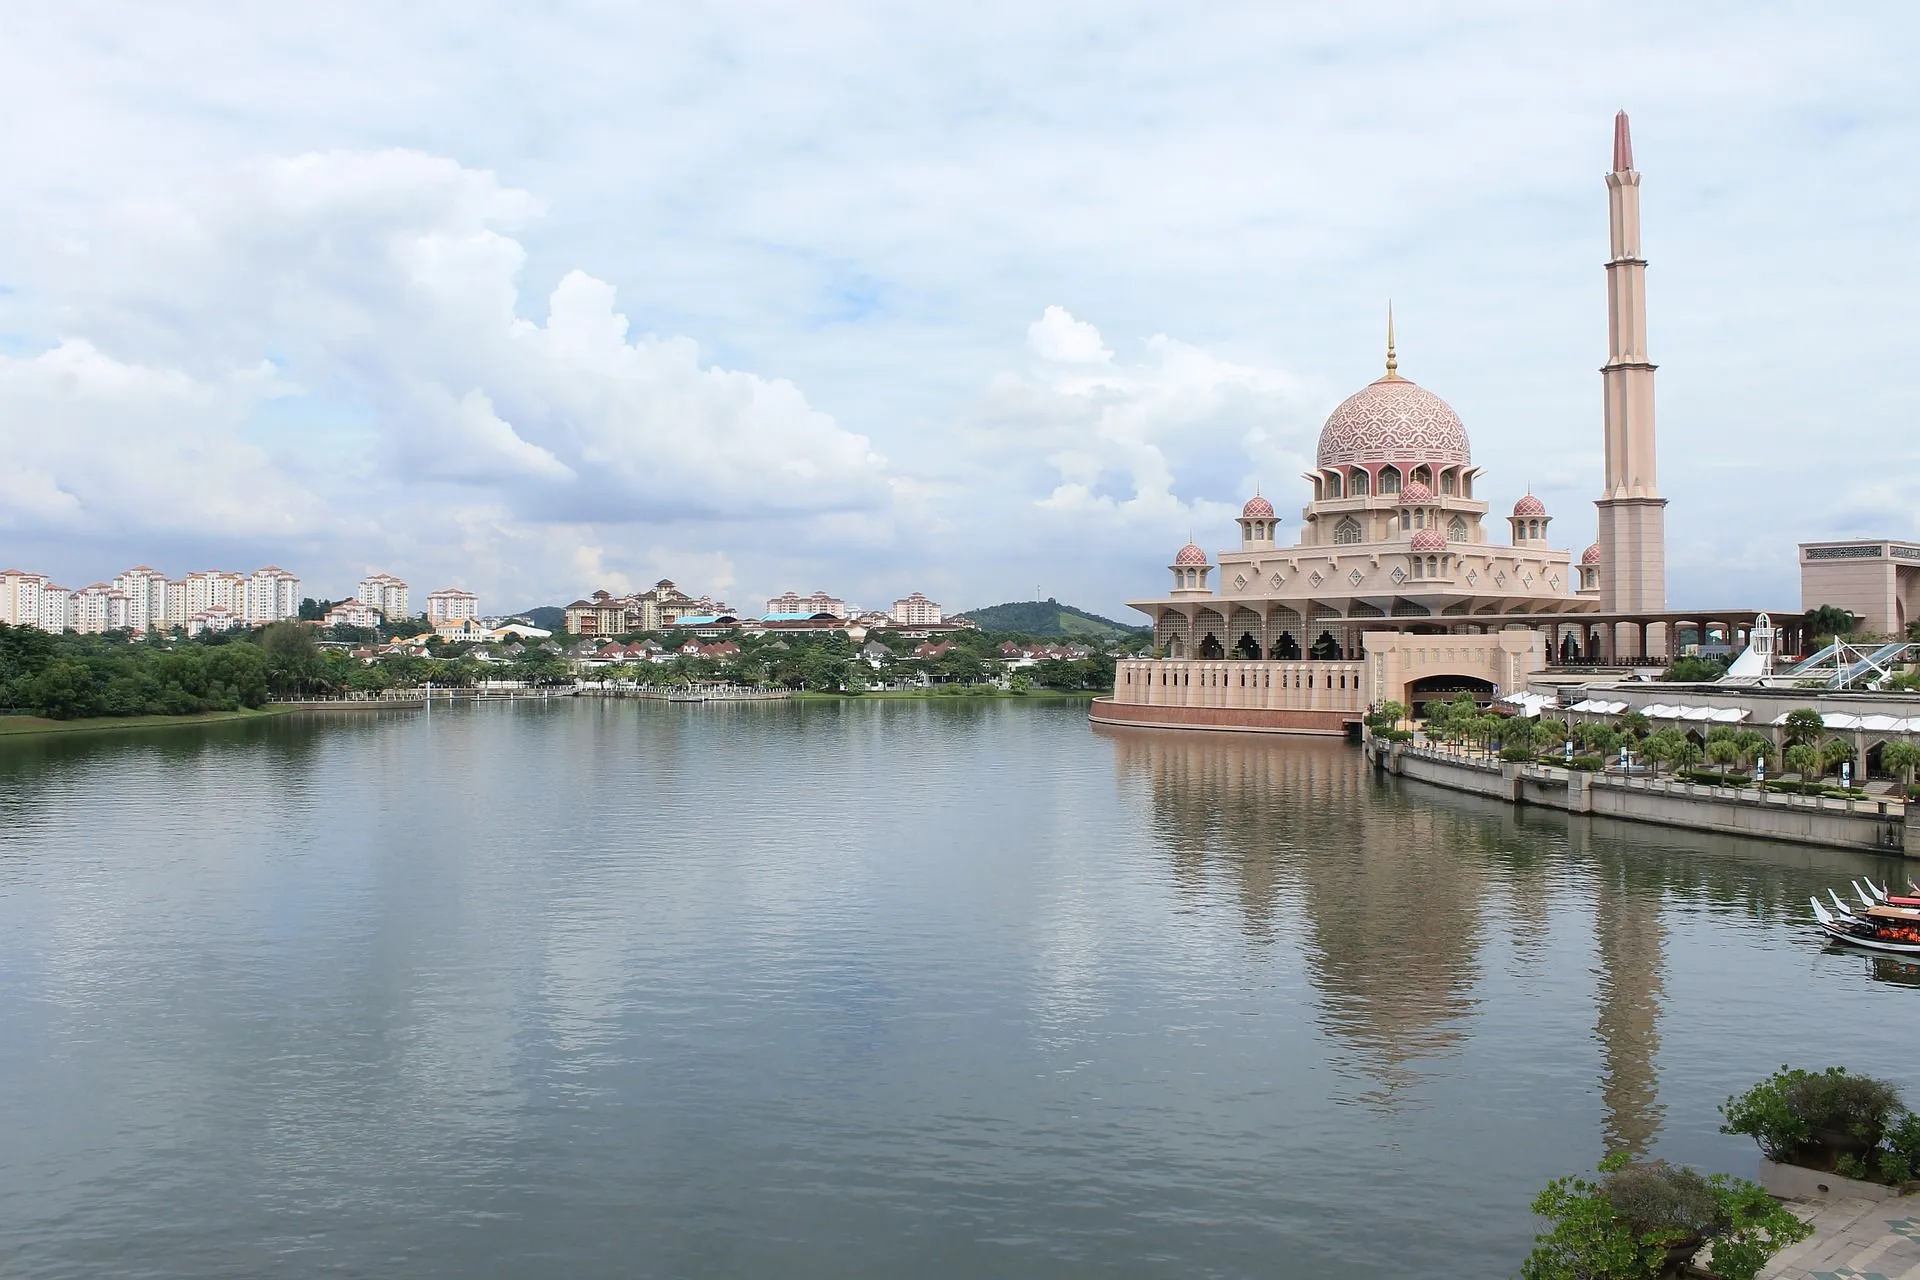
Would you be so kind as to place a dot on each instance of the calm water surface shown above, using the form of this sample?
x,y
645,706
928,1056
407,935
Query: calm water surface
x,y
874,989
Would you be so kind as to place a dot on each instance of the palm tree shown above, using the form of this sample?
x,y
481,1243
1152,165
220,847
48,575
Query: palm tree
x,y
1897,756
1803,725
1803,760
1835,753
1724,751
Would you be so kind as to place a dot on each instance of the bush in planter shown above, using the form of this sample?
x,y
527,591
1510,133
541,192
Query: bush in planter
x,y
1589,764
1516,753
1645,1221
1815,1119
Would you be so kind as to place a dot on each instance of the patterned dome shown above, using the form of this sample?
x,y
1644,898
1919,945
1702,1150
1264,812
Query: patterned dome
x,y
1416,492
1591,555
1529,506
1429,540
1397,421
1190,557
1258,508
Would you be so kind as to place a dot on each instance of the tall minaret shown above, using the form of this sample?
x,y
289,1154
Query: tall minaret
x,y
1633,538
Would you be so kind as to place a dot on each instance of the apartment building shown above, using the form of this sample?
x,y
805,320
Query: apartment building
x,y
451,604
792,604
352,613
915,611
661,605
386,593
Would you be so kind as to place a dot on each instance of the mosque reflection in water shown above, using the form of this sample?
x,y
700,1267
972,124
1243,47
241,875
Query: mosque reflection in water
x,y
1394,901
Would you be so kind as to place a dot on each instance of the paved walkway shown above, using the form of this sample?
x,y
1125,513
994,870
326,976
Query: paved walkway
x,y
1854,1240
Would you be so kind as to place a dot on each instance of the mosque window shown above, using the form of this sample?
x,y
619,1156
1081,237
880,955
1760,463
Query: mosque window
x,y
1357,484
1447,484
1457,530
1433,566
1390,480
1423,476
1466,484
1419,518
1333,486
1347,531
1418,570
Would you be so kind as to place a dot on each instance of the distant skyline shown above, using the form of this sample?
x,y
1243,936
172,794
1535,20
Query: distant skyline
x,y
991,306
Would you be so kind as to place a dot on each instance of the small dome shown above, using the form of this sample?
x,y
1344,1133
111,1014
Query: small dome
x,y
1416,492
1429,540
1190,557
1591,555
1529,506
1257,508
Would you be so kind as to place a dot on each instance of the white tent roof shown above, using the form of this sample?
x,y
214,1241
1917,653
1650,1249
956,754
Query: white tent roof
x,y
1596,707
1529,704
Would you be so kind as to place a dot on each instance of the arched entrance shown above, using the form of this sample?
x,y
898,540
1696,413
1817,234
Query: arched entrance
x,y
1246,647
1286,648
1445,689
1210,646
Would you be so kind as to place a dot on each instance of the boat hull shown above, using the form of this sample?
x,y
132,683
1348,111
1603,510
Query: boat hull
x,y
1840,934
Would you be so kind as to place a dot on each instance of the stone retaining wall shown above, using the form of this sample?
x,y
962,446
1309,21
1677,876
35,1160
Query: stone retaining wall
x,y
1725,810
1230,719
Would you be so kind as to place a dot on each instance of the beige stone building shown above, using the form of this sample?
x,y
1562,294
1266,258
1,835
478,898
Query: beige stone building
x,y
1877,580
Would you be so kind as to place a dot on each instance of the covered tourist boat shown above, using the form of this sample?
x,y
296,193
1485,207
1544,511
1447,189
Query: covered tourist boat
x,y
1880,923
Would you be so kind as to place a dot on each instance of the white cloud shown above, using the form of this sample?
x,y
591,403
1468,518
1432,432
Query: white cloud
x,y
832,227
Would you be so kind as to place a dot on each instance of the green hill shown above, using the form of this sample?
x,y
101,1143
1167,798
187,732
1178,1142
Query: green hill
x,y
548,617
1049,618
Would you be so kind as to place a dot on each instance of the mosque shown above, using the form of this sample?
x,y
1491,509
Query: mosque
x,y
1395,589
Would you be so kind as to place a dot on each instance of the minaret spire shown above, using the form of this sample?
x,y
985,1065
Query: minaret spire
x,y
1393,361
1633,574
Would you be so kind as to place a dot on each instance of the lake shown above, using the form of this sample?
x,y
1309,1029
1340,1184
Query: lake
x,y
824,989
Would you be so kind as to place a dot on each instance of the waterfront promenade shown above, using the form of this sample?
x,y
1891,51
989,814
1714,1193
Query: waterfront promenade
x,y
1853,1240
1876,826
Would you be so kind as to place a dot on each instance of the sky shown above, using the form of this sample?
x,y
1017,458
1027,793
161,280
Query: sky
x,y
993,302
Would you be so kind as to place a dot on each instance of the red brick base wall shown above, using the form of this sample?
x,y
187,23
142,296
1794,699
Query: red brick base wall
x,y
1232,719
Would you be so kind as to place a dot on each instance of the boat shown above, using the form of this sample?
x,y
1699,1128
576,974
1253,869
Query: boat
x,y
1878,927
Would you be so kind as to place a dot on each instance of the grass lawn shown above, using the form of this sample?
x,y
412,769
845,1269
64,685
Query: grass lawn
x,y
20,726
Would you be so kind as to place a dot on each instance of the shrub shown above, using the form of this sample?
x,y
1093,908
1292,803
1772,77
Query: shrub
x,y
1640,1222
1913,792
1716,778
1516,752
1818,1118
1589,763
1394,735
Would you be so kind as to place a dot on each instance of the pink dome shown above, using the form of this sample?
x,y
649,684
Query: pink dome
x,y
1258,508
1429,540
1529,506
1190,557
1396,421
1591,555
1416,492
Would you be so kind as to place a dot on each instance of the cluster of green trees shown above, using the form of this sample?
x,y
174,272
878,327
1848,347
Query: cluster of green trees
x,y
69,677
830,662
1810,752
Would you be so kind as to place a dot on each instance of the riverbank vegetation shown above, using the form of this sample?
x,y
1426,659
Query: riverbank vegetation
x,y
76,677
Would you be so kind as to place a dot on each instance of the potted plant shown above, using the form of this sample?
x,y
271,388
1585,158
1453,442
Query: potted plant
x,y
1831,1121
1647,1221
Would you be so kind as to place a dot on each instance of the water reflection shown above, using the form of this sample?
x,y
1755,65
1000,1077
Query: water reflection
x,y
1391,916
1398,892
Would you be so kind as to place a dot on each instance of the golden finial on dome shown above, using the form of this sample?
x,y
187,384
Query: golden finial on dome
x,y
1393,362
